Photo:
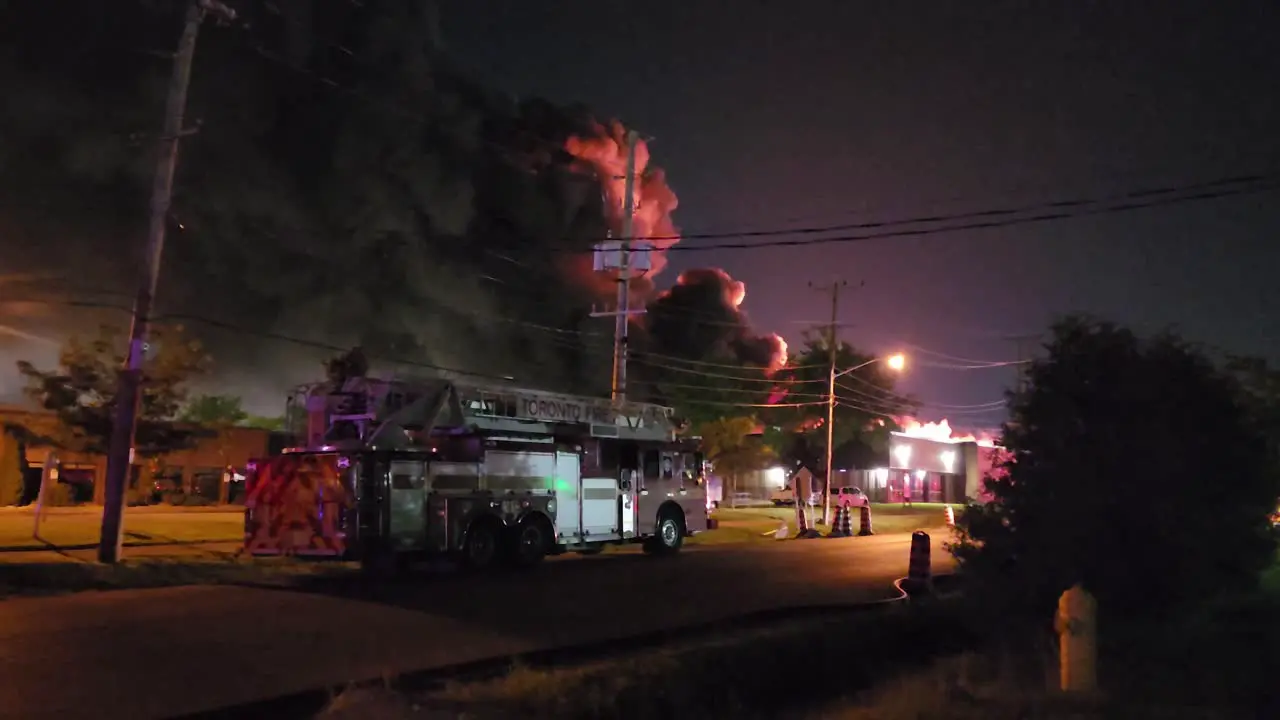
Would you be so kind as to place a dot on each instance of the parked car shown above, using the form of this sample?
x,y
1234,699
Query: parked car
x,y
849,497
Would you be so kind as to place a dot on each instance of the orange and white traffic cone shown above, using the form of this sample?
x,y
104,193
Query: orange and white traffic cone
x,y
841,524
846,522
864,520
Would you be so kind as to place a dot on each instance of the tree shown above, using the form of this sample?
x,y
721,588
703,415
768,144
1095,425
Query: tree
x,y
215,411
273,424
865,409
81,391
732,448
1133,469
215,415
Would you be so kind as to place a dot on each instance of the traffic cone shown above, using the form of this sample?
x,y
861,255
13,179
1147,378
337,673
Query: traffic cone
x,y
864,520
951,517
842,524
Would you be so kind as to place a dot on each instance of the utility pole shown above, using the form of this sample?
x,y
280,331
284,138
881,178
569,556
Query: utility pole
x,y
620,346
834,289
128,390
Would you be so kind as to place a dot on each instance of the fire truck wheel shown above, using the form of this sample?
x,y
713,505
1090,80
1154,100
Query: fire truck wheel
x,y
482,545
528,543
668,536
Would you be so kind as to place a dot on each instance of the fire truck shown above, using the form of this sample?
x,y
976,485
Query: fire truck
x,y
388,471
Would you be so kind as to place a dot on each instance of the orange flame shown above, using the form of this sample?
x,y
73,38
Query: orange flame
x,y
941,432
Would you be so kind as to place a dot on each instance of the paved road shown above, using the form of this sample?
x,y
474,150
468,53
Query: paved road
x,y
157,653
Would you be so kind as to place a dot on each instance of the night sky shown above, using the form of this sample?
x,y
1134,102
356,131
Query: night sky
x,y
846,112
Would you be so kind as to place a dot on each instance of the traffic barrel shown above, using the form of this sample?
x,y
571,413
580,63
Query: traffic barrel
x,y
864,520
920,568
842,524
951,517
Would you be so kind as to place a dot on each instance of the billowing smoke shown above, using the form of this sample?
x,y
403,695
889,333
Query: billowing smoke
x,y
701,315
604,152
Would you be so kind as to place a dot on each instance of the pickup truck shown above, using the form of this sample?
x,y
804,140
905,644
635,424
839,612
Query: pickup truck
x,y
786,496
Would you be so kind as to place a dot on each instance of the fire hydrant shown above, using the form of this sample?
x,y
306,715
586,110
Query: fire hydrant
x,y
1076,625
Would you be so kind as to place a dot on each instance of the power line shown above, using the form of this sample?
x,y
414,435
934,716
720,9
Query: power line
x,y
955,358
984,366
1137,199
979,225
978,214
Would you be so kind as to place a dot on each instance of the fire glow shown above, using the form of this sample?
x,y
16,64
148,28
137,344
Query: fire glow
x,y
941,432
603,153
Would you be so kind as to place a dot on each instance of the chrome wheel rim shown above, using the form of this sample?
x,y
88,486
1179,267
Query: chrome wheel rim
x,y
669,533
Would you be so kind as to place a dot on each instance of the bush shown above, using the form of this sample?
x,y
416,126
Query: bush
x,y
1134,469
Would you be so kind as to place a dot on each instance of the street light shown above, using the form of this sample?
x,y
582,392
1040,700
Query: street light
x,y
896,362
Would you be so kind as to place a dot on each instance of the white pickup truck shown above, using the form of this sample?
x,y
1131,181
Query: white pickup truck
x,y
785,496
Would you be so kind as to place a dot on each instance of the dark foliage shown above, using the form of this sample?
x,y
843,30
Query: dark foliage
x,y
1135,469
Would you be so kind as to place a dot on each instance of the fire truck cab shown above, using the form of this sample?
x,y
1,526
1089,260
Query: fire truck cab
x,y
389,471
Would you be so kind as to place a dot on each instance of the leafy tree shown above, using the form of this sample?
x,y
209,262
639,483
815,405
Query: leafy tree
x,y
1134,469
733,449
866,402
81,391
274,424
215,415
215,411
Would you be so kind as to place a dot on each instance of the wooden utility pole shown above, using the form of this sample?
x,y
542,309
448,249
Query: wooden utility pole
x,y
128,391
621,324
834,289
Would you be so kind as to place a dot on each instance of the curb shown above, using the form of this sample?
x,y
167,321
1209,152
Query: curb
x,y
308,703
94,546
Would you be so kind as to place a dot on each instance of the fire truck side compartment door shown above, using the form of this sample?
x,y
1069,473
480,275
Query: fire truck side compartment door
x,y
408,511
568,484
599,508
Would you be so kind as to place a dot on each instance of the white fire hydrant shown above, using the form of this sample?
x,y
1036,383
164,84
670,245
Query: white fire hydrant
x,y
1076,624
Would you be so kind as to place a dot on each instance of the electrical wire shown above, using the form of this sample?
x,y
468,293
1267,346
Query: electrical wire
x,y
953,358
1136,199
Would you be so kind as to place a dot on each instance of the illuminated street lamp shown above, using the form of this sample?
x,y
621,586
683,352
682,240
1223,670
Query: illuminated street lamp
x,y
896,362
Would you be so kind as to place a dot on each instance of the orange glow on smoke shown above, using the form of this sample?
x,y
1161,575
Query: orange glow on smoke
x,y
605,154
779,355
